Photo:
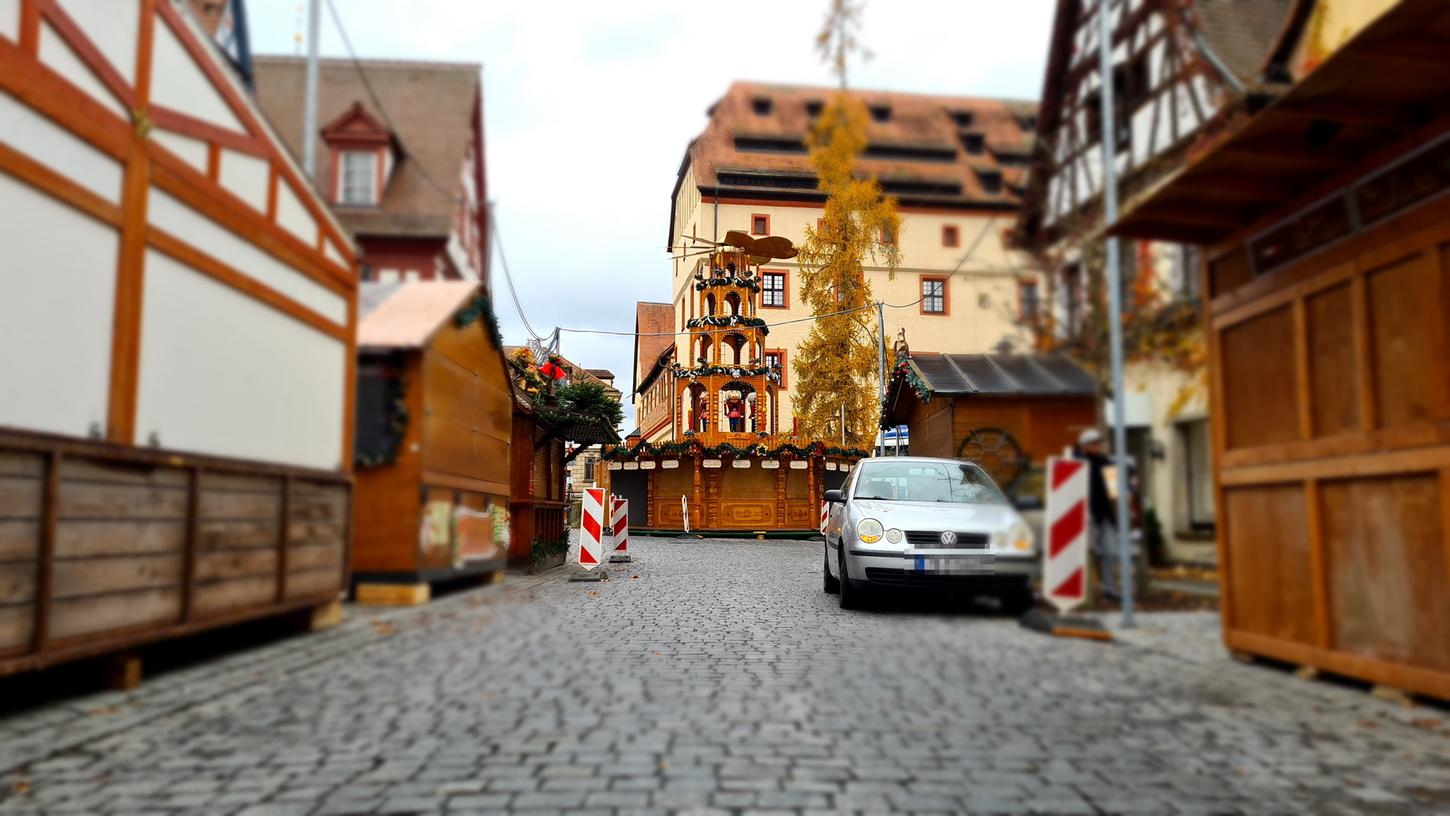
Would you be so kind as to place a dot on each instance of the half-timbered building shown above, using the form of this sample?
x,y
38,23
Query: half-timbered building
x,y
177,322
1181,69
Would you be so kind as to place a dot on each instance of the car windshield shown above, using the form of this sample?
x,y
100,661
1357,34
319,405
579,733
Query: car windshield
x,y
948,482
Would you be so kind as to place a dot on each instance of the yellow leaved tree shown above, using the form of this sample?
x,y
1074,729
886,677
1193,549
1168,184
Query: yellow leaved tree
x,y
836,395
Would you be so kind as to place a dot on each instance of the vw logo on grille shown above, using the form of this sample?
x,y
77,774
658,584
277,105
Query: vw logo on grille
x,y
948,539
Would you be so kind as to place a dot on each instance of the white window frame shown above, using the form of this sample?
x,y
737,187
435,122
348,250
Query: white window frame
x,y
349,189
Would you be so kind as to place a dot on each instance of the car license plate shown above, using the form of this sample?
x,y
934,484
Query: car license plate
x,y
958,565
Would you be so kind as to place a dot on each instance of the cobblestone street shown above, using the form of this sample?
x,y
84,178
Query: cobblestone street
x,y
715,676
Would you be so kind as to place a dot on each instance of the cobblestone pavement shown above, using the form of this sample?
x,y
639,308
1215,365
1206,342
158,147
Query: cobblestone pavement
x,y
721,679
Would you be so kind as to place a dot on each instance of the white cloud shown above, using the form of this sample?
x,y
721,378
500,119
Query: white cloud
x,y
588,108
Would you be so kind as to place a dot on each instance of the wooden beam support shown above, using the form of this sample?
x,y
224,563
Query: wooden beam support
x,y
89,54
193,540
227,276
130,283
1363,112
42,178
284,536
45,562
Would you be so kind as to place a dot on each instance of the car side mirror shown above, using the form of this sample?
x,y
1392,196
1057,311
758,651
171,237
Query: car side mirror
x,y
835,497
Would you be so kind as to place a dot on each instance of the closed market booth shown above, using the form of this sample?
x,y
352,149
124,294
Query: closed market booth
x,y
1328,315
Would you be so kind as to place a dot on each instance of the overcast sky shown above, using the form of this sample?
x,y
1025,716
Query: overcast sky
x,y
588,107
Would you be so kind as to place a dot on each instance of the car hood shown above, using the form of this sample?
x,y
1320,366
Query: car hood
x,y
984,518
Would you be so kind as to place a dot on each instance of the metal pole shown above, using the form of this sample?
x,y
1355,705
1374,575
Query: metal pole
x,y
881,336
309,104
1115,305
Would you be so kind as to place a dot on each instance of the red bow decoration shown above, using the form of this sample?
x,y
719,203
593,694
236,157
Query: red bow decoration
x,y
552,371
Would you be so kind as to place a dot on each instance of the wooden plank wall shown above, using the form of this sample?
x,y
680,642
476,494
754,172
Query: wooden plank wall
x,y
1331,418
98,550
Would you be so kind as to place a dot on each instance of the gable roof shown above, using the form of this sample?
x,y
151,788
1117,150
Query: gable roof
x,y
431,106
404,315
753,146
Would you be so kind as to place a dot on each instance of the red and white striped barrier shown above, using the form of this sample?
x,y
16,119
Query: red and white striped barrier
x,y
1064,568
825,516
591,528
620,518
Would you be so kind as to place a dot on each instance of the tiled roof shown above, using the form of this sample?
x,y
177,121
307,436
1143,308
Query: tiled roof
x,y
753,147
405,315
1241,32
1004,374
653,319
431,105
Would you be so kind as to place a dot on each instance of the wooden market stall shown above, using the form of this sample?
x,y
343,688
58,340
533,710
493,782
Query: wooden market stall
x,y
1007,412
1328,318
176,340
434,426
539,509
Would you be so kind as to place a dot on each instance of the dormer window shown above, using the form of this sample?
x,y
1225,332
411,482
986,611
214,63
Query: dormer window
x,y
963,119
991,181
814,108
762,105
362,157
975,143
359,177
881,113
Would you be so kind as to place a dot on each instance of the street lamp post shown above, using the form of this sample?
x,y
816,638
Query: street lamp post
x,y
1115,304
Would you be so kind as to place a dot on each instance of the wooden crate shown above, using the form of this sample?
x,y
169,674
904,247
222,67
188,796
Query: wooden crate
x,y
105,547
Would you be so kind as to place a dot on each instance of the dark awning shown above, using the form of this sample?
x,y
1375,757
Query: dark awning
x,y
988,375
1382,86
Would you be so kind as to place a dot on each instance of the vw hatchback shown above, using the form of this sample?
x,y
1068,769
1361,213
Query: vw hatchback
x,y
918,523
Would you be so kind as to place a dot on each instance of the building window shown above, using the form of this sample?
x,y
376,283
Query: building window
x,y
888,235
881,113
975,143
1190,285
588,470
759,224
963,118
776,357
814,107
1198,471
950,237
359,176
773,291
991,181
1029,308
762,105
934,296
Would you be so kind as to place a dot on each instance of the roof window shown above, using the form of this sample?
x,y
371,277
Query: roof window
x,y
963,118
881,113
814,107
975,143
991,181
762,105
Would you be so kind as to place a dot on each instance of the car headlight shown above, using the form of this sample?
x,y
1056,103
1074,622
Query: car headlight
x,y
893,535
869,531
1019,538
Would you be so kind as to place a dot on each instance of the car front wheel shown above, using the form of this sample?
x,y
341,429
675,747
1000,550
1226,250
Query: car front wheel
x,y
850,592
832,585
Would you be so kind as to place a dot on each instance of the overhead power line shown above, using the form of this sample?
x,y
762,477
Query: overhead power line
x,y
382,109
508,276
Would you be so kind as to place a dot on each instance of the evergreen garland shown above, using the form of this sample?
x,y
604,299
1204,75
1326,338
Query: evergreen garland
x,y
397,423
694,448
752,284
909,376
480,307
718,321
771,372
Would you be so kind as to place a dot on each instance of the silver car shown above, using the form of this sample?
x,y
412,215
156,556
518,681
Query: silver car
x,y
917,523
